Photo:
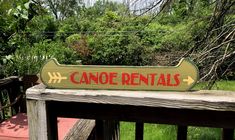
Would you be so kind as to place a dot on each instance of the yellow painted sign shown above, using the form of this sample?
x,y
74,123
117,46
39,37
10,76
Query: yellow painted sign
x,y
181,77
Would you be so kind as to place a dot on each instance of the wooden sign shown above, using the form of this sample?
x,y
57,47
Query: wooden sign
x,y
177,78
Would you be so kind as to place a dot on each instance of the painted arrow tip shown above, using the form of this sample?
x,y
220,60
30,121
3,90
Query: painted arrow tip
x,y
189,80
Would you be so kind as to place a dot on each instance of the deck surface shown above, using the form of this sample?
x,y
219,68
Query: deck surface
x,y
16,128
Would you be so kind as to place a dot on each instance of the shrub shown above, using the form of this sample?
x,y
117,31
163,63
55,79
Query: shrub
x,y
29,60
119,49
79,44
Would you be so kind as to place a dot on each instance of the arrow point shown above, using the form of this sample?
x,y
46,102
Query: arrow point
x,y
190,80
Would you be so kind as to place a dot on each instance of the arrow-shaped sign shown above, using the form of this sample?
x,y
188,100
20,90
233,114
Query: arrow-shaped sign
x,y
189,80
177,78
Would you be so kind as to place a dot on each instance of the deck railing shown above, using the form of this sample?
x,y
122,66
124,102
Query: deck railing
x,y
108,107
10,96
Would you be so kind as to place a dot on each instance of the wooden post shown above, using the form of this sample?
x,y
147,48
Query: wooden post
x,y
227,134
39,127
182,133
139,131
107,130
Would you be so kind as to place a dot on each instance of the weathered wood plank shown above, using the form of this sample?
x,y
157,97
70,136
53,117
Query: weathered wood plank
x,y
197,108
8,80
37,120
197,100
81,130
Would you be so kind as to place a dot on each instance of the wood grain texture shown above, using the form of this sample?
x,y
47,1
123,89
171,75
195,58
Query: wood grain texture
x,y
196,100
194,108
8,80
81,130
37,120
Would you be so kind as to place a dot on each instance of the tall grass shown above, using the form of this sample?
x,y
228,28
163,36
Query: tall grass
x,y
220,85
168,132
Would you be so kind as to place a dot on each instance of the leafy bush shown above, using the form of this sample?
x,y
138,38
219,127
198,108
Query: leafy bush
x,y
67,27
42,27
79,44
24,61
118,49
29,60
73,39
56,49
108,33
179,39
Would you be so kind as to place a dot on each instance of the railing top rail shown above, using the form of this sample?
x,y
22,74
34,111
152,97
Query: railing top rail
x,y
196,100
7,80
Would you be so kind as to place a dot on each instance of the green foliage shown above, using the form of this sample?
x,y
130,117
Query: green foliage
x,y
68,27
42,27
118,49
219,85
168,132
23,12
14,18
127,131
159,132
101,7
179,39
56,49
105,33
29,60
151,131
62,9
79,44
24,61
73,39
203,133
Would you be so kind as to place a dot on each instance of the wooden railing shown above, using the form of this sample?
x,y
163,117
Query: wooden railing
x,y
12,101
107,108
10,94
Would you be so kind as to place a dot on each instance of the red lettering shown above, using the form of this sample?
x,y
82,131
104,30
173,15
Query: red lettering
x,y
103,78
152,77
134,76
112,75
126,79
93,77
72,78
144,79
176,78
84,78
169,80
161,80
